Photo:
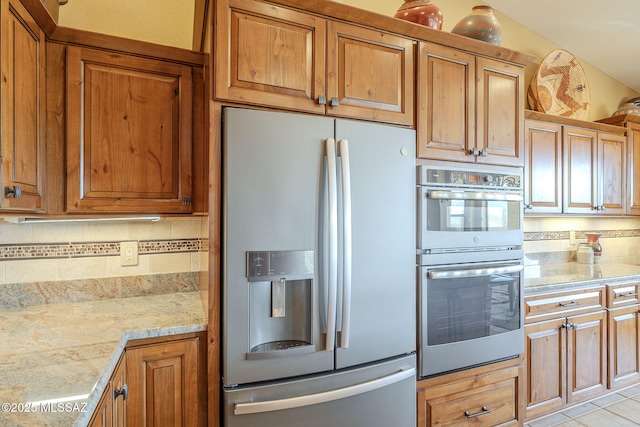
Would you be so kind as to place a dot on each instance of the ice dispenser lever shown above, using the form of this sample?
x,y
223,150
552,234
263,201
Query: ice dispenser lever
x,y
278,297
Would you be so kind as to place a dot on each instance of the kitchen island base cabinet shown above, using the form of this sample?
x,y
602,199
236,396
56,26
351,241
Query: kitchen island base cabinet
x,y
487,395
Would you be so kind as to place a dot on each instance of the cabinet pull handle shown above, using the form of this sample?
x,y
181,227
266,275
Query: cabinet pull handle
x,y
16,191
322,100
569,326
117,392
335,102
474,151
484,411
483,152
628,294
569,304
527,207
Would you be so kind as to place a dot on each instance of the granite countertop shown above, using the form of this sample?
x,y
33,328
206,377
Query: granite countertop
x,y
66,352
556,277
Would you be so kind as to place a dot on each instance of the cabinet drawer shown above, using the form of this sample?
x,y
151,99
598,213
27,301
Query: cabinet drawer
x,y
492,404
549,306
623,294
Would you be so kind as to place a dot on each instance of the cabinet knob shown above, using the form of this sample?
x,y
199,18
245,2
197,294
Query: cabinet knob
x,y
16,191
483,152
117,392
528,207
322,100
474,151
334,102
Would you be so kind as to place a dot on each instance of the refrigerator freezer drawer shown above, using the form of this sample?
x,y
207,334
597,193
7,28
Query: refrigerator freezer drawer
x,y
377,395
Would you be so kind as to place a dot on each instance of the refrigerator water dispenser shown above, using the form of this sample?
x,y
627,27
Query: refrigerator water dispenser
x,y
280,299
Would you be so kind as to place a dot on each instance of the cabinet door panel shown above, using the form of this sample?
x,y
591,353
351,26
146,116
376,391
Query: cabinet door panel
x,y
269,55
624,346
163,386
500,113
23,108
633,161
612,173
371,74
580,174
586,356
128,133
446,100
543,167
545,365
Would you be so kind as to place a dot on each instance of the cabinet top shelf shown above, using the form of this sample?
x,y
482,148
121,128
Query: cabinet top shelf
x,y
597,126
354,15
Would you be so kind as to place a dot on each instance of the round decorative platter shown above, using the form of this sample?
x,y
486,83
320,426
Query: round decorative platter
x,y
560,87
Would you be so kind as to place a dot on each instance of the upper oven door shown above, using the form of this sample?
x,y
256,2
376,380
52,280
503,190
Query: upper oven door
x,y
452,219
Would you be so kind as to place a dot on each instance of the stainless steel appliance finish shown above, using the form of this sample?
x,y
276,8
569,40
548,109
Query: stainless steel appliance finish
x,y
465,207
318,274
470,313
470,264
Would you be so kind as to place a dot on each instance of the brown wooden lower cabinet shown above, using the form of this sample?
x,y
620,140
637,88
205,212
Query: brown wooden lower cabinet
x,y
566,360
158,382
487,395
624,346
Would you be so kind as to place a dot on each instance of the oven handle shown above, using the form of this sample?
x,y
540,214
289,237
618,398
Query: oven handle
x,y
474,195
479,272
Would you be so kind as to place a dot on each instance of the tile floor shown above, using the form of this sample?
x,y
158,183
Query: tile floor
x,y
620,409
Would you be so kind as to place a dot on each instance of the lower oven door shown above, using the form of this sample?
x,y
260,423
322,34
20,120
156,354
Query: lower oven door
x,y
470,314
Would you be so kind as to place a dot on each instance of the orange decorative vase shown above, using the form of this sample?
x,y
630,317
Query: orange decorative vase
x,y
480,25
421,12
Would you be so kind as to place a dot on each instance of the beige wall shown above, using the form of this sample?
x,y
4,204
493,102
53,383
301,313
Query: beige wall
x,y
606,93
165,22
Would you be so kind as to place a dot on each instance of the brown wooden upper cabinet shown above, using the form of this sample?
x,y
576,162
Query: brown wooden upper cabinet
x,y
273,56
23,109
594,168
632,124
470,108
129,139
575,167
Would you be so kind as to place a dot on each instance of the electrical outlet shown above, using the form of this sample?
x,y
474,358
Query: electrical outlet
x,y
128,253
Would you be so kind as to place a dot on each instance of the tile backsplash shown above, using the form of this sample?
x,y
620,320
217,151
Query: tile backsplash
x,y
83,250
547,240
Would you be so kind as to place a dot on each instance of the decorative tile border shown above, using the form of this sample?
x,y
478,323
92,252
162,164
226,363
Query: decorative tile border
x,y
564,235
16,251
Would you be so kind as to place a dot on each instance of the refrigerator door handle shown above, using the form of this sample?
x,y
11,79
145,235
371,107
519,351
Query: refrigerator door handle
x,y
327,396
347,244
332,281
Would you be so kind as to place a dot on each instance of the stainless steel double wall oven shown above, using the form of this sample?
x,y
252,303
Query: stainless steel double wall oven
x,y
470,265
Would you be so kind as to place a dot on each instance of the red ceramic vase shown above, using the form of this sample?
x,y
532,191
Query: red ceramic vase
x,y
421,12
480,25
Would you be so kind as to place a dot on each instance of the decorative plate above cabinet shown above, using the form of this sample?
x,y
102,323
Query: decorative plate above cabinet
x,y
560,87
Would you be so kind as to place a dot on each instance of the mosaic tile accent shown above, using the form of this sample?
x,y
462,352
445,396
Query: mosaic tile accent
x,y
14,252
564,235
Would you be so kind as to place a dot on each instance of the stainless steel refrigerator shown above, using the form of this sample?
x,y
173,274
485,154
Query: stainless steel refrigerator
x,y
319,299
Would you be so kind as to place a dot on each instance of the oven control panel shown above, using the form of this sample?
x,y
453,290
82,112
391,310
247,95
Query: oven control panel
x,y
448,176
